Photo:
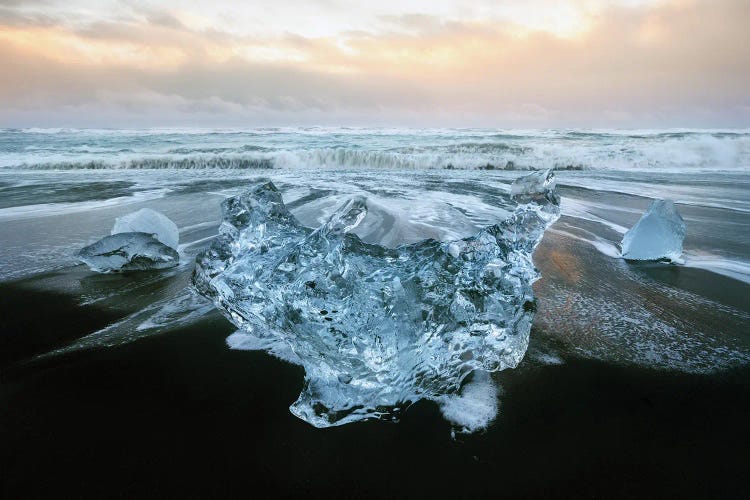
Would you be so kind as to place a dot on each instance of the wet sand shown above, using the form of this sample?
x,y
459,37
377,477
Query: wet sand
x,y
179,414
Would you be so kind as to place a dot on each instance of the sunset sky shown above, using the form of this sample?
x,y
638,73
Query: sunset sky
x,y
531,63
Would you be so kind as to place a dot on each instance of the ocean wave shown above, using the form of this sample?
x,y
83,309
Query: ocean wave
x,y
194,162
317,158
644,150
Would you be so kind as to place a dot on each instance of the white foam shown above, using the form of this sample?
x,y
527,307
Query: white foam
x,y
395,221
48,209
184,308
737,269
476,407
548,359
603,246
579,209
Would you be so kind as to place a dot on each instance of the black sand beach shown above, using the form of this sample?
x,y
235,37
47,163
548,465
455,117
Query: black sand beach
x,y
234,235
179,414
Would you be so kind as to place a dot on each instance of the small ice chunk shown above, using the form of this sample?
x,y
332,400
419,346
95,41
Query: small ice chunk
x,y
535,183
149,221
128,252
657,235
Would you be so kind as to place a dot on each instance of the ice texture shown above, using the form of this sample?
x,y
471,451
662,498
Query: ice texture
x,y
128,252
376,328
657,235
149,221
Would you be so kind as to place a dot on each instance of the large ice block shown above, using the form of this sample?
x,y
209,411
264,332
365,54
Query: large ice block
x,y
376,328
657,235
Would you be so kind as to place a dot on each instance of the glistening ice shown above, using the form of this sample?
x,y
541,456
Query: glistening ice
x,y
140,241
128,252
658,234
376,328
149,221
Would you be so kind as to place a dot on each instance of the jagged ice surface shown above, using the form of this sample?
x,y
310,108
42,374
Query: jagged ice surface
x,y
374,327
149,221
128,252
657,235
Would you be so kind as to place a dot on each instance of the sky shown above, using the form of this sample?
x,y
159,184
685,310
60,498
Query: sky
x,y
435,63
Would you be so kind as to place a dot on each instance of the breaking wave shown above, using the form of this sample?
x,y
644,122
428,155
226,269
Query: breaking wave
x,y
374,148
194,162
320,158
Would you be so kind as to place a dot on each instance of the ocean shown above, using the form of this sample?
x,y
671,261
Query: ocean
x,y
635,382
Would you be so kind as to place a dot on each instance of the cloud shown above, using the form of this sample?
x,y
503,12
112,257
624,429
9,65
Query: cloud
x,y
681,63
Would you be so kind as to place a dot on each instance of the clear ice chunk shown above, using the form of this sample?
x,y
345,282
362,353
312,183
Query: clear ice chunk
x,y
657,235
376,328
149,221
128,252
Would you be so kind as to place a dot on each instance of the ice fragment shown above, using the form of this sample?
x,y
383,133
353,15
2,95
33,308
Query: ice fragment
x,y
657,235
128,252
149,221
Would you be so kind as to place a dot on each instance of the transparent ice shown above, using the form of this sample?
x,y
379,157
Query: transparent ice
x,y
128,252
149,221
376,328
657,235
